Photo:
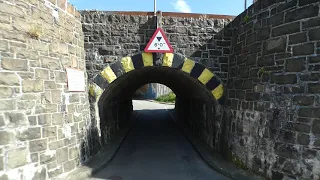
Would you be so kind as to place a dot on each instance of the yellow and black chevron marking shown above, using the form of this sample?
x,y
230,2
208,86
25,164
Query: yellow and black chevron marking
x,y
127,64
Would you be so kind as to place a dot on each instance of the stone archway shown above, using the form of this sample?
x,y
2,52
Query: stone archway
x,y
173,60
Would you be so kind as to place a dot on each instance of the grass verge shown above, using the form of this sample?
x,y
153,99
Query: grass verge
x,y
171,97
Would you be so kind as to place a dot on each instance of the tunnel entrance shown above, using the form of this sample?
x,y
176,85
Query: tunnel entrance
x,y
198,92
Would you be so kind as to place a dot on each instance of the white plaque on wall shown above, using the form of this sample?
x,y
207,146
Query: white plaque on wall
x,y
76,80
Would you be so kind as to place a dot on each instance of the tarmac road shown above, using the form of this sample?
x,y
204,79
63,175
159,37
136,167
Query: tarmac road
x,y
156,150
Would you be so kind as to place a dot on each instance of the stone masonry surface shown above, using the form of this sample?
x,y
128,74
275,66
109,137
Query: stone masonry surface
x,y
273,109
268,58
42,125
109,36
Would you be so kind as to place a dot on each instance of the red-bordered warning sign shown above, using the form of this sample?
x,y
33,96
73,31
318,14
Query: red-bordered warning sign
x,y
159,43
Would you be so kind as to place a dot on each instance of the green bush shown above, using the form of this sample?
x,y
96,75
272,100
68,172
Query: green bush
x,y
171,97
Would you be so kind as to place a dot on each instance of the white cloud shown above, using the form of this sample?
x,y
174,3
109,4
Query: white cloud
x,y
181,6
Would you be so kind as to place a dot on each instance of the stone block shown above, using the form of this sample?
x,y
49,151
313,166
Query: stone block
x,y
56,96
46,97
46,108
1,163
44,119
22,25
314,22
266,61
60,77
57,119
26,75
2,121
298,38
303,139
7,137
56,145
56,172
10,79
310,77
32,85
4,177
17,158
33,120
52,165
17,118
62,155
73,153
16,37
286,29
6,92
30,134
309,112
303,100
49,131
315,68
303,49
314,88
314,34
50,63
296,64
3,45
29,55
284,79
10,9
39,46
60,48
69,166
305,2
42,74
315,59
47,157
316,127
38,145
275,45
40,174
14,64
34,63
7,105
50,85
287,150
302,13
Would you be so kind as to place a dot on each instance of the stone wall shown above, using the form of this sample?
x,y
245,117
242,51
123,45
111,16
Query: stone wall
x,y
273,113
113,35
42,125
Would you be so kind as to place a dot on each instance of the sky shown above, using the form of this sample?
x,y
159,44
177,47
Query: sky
x,y
224,7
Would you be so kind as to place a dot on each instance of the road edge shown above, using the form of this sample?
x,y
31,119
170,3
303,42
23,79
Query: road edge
x,y
103,158
154,101
214,160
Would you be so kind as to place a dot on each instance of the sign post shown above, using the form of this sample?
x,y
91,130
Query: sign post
x,y
159,43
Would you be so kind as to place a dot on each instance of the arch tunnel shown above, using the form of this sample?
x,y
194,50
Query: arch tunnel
x,y
198,91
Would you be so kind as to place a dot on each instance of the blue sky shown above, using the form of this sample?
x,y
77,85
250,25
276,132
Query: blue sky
x,y
225,7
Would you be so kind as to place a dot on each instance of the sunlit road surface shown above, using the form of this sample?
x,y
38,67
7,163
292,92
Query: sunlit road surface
x,y
156,150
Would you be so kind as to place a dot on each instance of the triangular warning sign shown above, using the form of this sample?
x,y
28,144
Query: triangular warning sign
x,y
159,43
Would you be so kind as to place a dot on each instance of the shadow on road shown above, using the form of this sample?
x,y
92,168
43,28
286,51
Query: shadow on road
x,y
155,149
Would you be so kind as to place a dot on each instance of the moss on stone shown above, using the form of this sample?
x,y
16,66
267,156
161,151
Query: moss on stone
x,y
236,161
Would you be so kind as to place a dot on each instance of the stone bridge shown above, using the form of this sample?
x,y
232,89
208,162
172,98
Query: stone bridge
x,y
248,86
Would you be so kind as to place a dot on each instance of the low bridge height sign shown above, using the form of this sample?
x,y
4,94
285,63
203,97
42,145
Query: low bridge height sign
x,y
159,43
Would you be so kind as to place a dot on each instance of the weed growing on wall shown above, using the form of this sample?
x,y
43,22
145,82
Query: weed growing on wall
x,y
35,32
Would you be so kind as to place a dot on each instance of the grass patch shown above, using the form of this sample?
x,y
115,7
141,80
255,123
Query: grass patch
x,y
171,97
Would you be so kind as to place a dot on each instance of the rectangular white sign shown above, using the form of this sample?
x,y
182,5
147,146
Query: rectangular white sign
x,y
76,80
